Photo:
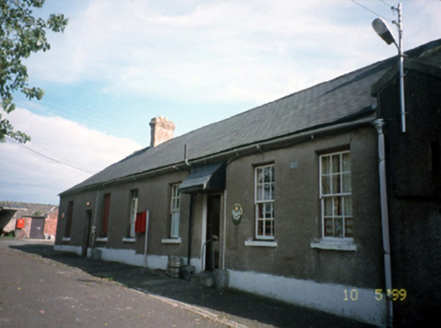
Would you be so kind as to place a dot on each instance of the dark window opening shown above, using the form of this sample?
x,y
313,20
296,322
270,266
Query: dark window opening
x,y
69,219
106,213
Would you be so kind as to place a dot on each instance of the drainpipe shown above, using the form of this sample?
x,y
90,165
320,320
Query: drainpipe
x,y
146,238
190,229
401,67
224,239
379,123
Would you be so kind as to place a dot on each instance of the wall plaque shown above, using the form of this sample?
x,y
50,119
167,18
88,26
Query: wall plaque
x,y
236,214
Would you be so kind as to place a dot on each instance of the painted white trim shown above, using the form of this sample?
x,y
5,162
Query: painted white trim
x,y
260,243
66,239
127,256
324,297
130,257
334,245
171,240
69,248
101,239
129,240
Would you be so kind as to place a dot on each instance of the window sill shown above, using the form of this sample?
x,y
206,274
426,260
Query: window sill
x,y
128,240
171,240
66,239
102,239
261,243
335,245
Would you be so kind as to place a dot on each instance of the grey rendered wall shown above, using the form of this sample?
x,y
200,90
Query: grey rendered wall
x,y
297,212
414,192
78,218
153,195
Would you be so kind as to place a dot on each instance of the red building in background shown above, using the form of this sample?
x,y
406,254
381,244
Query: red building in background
x,y
24,220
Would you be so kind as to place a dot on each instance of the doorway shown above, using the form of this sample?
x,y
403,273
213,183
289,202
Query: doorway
x,y
87,232
212,236
37,228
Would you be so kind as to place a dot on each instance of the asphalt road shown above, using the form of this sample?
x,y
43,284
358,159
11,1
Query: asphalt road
x,y
39,292
41,287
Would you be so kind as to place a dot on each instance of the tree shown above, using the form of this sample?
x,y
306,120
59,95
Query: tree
x,y
21,34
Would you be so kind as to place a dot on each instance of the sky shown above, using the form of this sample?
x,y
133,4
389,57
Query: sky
x,y
119,63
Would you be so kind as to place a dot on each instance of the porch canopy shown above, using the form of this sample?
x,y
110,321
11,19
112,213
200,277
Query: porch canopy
x,y
206,178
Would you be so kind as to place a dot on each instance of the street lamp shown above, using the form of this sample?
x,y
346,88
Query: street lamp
x,y
384,32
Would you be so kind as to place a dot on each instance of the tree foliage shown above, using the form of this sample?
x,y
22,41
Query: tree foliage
x,y
21,33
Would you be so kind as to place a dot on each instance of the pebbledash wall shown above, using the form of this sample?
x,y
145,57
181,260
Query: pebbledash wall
x,y
297,266
154,197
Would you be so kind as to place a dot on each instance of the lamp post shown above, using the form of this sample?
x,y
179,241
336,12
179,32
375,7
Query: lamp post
x,y
383,31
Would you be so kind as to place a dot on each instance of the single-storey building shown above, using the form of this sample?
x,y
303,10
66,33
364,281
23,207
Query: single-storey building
x,y
318,198
28,220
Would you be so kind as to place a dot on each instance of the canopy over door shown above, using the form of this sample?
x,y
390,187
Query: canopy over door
x,y
206,178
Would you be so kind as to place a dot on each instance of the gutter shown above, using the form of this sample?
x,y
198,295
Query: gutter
x,y
379,123
246,150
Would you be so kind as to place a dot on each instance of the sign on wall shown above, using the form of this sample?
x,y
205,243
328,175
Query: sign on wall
x,y
237,213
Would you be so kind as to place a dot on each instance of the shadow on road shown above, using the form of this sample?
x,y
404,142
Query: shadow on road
x,y
248,309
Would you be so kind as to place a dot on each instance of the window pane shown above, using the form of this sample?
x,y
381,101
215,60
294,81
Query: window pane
x,y
338,210
336,163
327,204
348,205
346,162
268,192
347,182
260,176
326,168
326,185
260,227
338,228
269,210
259,209
269,228
268,175
336,186
260,193
174,231
328,227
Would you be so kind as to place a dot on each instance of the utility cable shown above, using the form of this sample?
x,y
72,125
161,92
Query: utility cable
x,y
373,12
385,3
48,157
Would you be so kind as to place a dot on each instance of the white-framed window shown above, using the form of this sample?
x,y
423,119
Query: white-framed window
x,y
336,195
175,205
133,211
264,201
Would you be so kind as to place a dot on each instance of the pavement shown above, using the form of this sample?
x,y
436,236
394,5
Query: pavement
x,y
229,307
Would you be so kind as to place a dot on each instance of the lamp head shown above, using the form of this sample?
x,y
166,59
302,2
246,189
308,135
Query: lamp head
x,y
381,28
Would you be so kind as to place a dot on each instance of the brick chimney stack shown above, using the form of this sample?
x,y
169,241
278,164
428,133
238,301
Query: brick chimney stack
x,y
161,130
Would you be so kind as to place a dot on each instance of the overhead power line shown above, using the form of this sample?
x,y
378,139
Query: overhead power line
x,y
373,12
384,2
50,158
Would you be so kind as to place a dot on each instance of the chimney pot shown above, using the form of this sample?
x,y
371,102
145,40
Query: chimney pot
x,y
161,130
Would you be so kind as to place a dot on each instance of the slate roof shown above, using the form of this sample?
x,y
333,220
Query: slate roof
x,y
28,209
347,97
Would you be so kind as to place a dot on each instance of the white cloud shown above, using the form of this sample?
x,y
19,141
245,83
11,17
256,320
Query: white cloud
x,y
61,154
212,52
224,51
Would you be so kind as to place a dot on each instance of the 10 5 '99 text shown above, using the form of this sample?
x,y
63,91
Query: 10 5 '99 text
x,y
394,294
